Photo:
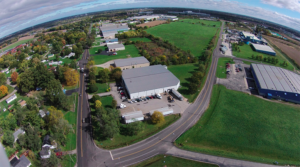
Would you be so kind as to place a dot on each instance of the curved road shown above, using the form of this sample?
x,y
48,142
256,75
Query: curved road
x,y
89,155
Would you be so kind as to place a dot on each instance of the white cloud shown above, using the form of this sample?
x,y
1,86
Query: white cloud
x,y
293,5
20,14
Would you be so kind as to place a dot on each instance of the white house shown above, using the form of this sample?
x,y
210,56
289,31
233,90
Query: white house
x,y
42,113
50,55
4,70
70,55
45,152
11,98
55,63
28,58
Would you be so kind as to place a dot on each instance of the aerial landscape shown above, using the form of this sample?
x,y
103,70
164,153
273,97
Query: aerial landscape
x,y
203,83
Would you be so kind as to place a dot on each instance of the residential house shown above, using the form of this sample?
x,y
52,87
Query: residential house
x,y
17,133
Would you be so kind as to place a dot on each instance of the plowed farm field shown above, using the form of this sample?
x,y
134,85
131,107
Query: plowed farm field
x,y
290,49
152,23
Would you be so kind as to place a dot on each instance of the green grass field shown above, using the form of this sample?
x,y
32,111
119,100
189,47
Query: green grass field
x,y
183,73
122,54
140,39
94,50
221,69
68,160
71,117
102,87
241,126
247,52
15,44
187,36
150,129
166,160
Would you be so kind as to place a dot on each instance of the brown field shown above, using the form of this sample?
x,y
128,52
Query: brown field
x,y
27,37
152,23
288,48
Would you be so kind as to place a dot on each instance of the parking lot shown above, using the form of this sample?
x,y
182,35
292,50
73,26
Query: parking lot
x,y
148,105
238,80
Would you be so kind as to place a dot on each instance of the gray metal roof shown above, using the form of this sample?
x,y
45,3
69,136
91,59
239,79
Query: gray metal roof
x,y
133,115
276,78
23,162
148,78
11,97
16,133
115,46
162,110
131,61
109,33
263,48
113,27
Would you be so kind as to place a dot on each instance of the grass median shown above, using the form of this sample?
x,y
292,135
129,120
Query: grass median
x,y
166,160
241,126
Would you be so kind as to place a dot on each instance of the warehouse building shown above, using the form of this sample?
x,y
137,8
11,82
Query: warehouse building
x,y
246,36
110,30
275,82
146,17
146,81
130,63
115,47
164,111
264,49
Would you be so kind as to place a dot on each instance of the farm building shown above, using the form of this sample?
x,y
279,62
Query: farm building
x,y
115,47
133,116
246,36
11,98
130,63
264,49
276,82
166,17
146,81
164,111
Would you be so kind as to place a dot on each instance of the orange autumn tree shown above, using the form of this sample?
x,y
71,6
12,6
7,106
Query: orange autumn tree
x,y
14,77
3,91
71,76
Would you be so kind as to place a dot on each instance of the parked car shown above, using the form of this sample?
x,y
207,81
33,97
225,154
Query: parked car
x,y
122,105
83,120
138,100
120,88
129,101
148,98
145,99
134,101
122,93
158,96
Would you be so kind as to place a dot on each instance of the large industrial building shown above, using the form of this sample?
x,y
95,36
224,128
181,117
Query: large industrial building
x,y
246,36
145,17
130,63
109,30
275,82
146,81
264,49
115,47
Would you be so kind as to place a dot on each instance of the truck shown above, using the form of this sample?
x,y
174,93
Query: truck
x,y
177,94
82,69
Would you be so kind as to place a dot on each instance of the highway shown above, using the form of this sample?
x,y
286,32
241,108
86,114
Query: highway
x,y
89,155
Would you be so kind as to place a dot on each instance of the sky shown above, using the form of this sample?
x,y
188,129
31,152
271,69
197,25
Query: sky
x,y
16,15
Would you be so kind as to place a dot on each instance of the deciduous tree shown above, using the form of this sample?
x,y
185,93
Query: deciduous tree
x,y
157,117
71,76
8,139
98,104
3,91
3,79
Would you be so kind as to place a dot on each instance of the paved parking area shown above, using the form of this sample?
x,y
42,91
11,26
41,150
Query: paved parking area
x,y
237,80
228,45
147,106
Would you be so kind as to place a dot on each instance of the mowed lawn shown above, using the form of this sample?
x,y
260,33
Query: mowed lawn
x,y
94,50
122,54
221,69
71,117
166,160
247,52
15,44
183,73
242,126
186,35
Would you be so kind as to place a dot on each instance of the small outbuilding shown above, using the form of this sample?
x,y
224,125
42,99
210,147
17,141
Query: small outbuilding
x,y
133,116
42,113
164,111
115,47
11,98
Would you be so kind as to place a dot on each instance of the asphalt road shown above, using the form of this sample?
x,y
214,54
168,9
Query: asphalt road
x,y
89,155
